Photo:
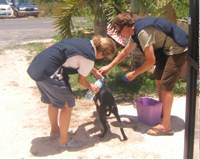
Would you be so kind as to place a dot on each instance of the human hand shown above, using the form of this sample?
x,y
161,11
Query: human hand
x,y
103,70
98,75
94,88
125,79
131,75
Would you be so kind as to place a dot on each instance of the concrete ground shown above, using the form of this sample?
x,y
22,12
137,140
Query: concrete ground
x,y
165,147
197,132
168,147
24,124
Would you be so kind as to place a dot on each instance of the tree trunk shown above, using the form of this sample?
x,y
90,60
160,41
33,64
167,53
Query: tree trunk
x,y
137,7
99,21
169,12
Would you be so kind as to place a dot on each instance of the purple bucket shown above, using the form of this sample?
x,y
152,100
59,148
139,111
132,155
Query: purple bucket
x,y
148,110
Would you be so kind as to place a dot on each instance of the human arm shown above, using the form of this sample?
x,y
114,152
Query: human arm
x,y
84,67
147,42
96,73
84,82
148,64
119,58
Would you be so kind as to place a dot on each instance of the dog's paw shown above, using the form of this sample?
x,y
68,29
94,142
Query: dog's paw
x,y
101,135
125,138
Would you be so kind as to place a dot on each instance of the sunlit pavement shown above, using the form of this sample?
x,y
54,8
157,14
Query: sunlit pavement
x,y
166,147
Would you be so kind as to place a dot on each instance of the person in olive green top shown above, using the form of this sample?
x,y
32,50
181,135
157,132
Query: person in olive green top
x,y
164,45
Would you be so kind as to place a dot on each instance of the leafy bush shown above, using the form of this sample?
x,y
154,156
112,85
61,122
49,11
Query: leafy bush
x,y
143,85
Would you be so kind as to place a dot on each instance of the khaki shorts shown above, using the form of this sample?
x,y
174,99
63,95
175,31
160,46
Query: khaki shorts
x,y
168,69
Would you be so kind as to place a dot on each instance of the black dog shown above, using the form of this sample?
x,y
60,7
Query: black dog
x,y
105,105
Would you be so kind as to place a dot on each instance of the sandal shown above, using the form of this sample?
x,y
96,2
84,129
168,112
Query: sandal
x,y
159,132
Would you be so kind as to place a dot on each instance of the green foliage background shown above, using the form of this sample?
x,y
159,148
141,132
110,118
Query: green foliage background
x,y
68,14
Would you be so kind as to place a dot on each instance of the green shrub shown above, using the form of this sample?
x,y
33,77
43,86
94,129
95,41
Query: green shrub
x,y
180,87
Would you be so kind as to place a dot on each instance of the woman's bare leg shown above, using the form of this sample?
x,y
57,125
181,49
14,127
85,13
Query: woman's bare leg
x,y
64,121
53,118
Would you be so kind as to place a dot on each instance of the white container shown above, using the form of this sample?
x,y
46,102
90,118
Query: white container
x,y
90,95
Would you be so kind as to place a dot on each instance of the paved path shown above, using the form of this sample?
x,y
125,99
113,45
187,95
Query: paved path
x,y
15,31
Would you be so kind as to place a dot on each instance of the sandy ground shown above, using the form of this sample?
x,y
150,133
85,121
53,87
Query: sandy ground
x,y
25,129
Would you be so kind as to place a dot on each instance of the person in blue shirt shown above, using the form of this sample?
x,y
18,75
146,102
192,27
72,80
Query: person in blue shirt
x,y
50,70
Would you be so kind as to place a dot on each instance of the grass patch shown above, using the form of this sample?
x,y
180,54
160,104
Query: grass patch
x,y
34,48
37,47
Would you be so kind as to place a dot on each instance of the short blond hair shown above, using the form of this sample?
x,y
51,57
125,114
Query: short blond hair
x,y
104,44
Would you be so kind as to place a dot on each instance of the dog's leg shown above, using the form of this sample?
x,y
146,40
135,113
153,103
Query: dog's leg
x,y
102,117
115,112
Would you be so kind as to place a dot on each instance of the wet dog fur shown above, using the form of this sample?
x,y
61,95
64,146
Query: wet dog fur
x,y
105,105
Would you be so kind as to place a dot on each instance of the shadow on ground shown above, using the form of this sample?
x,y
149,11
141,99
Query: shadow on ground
x,y
44,146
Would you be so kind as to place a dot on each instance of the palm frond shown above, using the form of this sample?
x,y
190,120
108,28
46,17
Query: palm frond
x,y
112,7
63,22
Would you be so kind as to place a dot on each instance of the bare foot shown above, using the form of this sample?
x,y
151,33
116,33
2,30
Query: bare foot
x,y
54,135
